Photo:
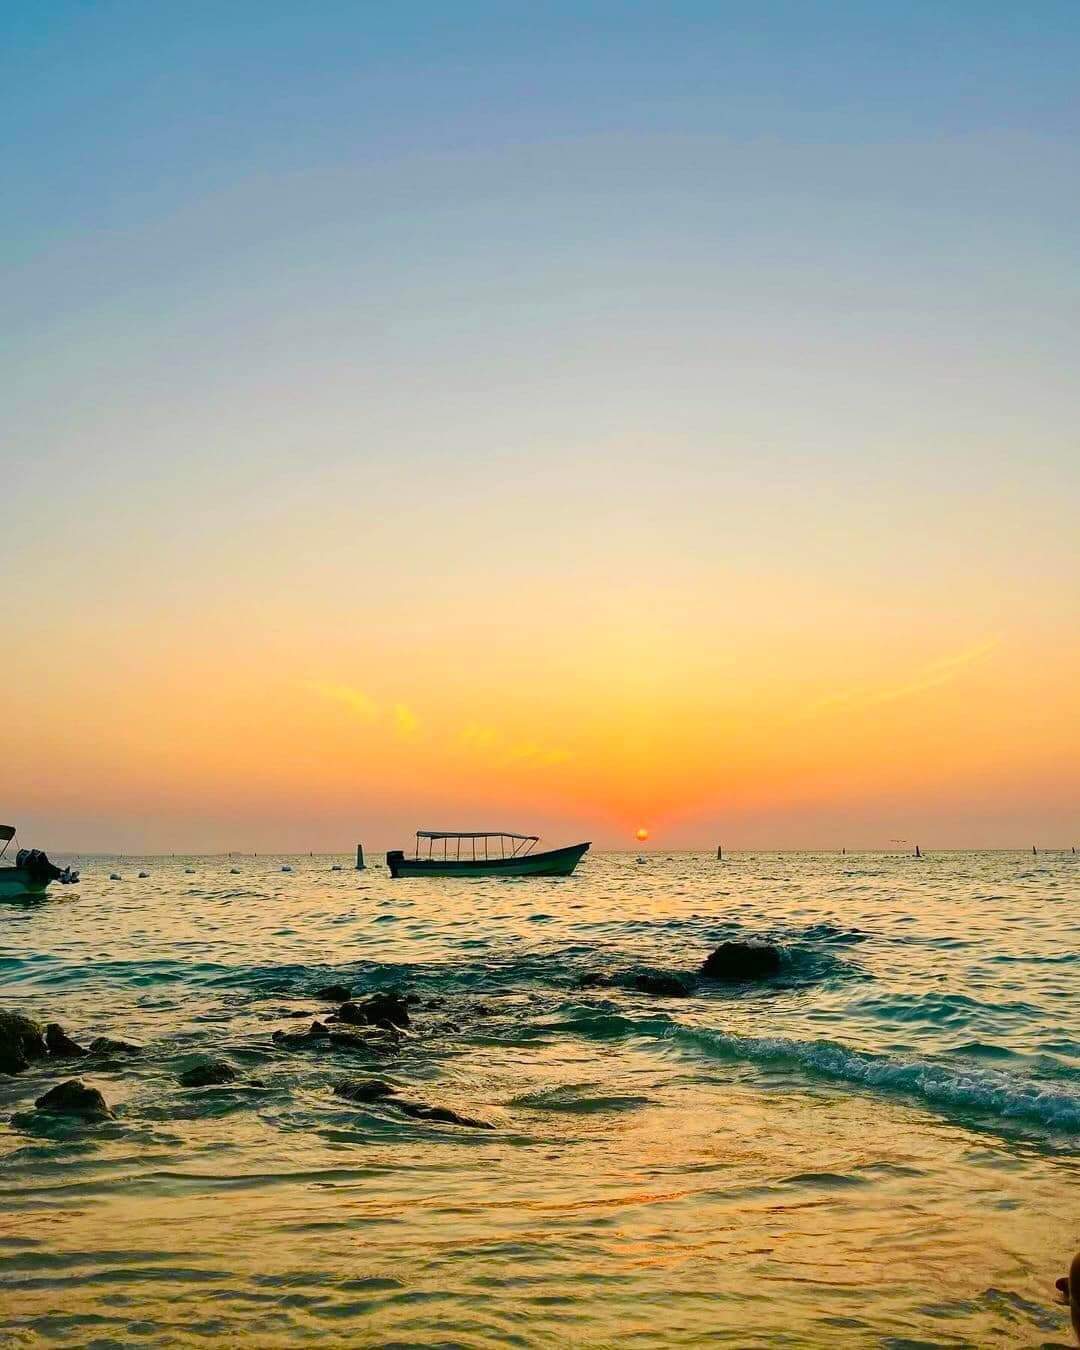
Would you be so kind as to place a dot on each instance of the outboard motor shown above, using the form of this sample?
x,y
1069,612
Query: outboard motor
x,y
36,863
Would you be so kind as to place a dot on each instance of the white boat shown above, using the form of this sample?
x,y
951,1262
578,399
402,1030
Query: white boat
x,y
32,871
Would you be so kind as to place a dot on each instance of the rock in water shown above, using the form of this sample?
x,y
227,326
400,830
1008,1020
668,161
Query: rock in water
x,y
333,993
21,1040
301,1040
595,979
380,1010
75,1098
374,1043
664,986
742,961
60,1044
210,1073
106,1045
442,1114
364,1089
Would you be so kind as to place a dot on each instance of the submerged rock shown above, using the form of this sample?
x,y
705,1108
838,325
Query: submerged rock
x,y
595,979
356,1040
661,983
442,1114
21,1040
364,1089
334,993
60,1044
210,1073
380,1010
300,1040
664,986
742,961
75,1098
107,1045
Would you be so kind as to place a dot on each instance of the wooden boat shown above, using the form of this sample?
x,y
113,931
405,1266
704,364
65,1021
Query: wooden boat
x,y
483,853
32,871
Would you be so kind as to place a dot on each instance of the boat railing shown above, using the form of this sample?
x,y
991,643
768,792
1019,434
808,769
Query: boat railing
x,y
509,845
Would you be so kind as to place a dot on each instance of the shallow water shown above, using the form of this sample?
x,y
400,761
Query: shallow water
x,y
878,1147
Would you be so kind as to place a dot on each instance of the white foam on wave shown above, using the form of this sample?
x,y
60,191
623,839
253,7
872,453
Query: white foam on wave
x,y
954,1085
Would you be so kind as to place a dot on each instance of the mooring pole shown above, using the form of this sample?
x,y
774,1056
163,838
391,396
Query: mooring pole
x,y
719,853
359,857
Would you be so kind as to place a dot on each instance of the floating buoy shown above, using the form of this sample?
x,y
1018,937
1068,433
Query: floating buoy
x,y
336,867
115,876
641,860
286,868
144,875
190,871
235,871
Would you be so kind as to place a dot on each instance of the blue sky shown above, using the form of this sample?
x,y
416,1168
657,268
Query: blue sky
x,y
309,306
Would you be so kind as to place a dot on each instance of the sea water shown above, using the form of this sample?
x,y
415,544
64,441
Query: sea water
x,y
876,1147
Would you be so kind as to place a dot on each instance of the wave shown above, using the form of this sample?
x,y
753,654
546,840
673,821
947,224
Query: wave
x,y
986,1091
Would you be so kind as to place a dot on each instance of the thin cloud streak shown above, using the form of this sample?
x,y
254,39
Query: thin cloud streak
x,y
932,676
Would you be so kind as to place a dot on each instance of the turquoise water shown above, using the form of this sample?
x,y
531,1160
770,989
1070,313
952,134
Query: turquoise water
x,y
879,1147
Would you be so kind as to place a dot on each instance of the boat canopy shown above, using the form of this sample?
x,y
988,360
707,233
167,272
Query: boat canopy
x,y
475,834
510,845
7,833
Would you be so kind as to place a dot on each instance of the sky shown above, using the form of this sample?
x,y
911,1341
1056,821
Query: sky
x,y
571,418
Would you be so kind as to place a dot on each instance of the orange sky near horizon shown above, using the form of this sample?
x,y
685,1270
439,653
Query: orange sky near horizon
x,y
698,731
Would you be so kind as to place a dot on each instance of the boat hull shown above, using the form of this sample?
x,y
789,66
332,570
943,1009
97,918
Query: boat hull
x,y
16,881
556,862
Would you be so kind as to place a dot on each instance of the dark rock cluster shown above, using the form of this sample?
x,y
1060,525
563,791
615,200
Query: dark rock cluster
x,y
378,1025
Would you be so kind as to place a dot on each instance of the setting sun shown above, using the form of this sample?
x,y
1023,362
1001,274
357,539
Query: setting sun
x,y
643,834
